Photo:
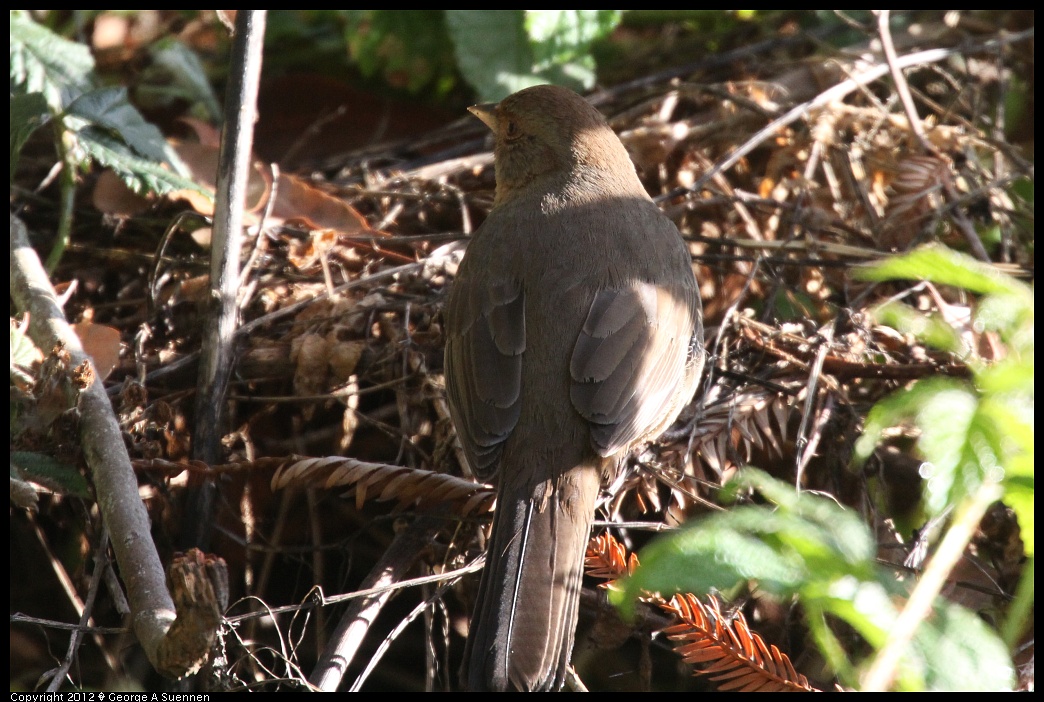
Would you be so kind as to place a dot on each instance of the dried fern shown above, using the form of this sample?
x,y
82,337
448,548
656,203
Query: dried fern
x,y
607,558
738,658
722,647
749,418
410,487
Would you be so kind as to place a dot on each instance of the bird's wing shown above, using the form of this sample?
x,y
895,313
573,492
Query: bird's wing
x,y
636,361
485,341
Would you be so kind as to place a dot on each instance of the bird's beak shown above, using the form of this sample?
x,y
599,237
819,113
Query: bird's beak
x,y
487,113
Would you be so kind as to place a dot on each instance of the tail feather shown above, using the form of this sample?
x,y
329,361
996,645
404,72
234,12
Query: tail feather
x,y
525,617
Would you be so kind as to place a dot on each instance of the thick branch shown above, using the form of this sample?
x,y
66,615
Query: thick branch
x,y
114,479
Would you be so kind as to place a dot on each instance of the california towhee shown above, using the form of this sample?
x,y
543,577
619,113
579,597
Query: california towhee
x,y
573,334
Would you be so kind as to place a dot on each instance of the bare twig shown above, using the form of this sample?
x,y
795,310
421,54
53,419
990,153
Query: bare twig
x,y
822,100
917,128
390,569
901,86
217,354
76,635
882,670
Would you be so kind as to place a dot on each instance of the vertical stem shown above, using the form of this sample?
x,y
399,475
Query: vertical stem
x,y
218,336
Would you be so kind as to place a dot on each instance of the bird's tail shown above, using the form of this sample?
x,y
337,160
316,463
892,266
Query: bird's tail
x,y
522,629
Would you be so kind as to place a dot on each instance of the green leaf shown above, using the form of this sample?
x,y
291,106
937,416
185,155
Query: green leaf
x,y
23,352
1007,376
140,174
720,552
960,652
893,411
560,41
43,62
109,108
410,47
805,537
45,470
960,445
866,605
28,112
947,419
181,74
842,529
502,51
931,330
492,51
942,265
1018,494
1010,315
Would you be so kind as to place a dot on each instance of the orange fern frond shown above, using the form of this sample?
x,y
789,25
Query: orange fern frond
x,y
738,659
607,558
724,648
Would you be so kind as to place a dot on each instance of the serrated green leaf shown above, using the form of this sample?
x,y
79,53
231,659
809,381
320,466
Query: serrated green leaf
x,y
1007,376
45,470
110,108
23,352
947,420
866,605
139,174
806,538
894,410
1010,417
960,652
43,62
942,265
719,553
1011,316
843,531
1018,494
28,113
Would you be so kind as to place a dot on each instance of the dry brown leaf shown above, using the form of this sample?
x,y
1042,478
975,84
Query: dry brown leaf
x,y
310,353
298,200
102,344
111,196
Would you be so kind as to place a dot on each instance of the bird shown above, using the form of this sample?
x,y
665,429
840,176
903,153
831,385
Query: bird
x,y
573,334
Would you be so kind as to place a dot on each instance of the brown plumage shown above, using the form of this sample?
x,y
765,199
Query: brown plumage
x,y
573,334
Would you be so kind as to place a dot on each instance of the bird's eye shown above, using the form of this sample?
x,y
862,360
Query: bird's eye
x,y
511,130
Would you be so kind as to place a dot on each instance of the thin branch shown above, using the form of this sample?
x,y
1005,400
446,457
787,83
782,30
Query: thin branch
x,y
397,560
76,636
903,88
885,665
884,33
